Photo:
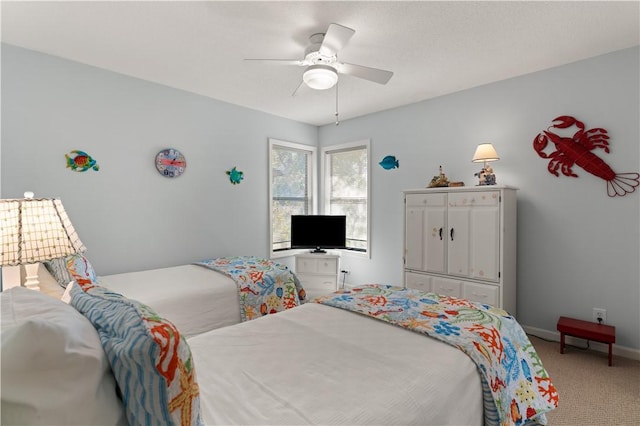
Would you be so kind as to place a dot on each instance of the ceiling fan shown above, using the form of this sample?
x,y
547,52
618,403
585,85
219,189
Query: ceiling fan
x,y
321,61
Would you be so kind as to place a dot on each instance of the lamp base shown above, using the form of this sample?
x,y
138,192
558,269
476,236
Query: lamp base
x,y
31,279
486,176
486,183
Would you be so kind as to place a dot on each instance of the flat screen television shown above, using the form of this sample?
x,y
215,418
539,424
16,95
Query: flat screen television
x,y
318,232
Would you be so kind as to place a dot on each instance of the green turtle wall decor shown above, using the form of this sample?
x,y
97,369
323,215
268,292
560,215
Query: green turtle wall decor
x,y
235,176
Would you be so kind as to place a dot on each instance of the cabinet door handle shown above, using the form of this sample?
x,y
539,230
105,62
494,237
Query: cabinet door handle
x,y
451,233
440,234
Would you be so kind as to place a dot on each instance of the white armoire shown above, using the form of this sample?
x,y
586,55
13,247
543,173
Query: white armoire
x,y
462,242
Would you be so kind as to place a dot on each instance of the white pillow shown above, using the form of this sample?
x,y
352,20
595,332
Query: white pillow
x,y
54,370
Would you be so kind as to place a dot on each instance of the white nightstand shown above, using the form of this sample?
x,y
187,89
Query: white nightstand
x,y
318,273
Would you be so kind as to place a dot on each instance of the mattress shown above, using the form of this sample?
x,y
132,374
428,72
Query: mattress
x,y
316,364
194,298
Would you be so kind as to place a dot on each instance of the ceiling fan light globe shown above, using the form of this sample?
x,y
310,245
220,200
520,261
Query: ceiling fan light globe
x,y
320,77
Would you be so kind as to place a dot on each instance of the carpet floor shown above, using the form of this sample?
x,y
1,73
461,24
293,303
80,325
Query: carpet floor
x,y
589,391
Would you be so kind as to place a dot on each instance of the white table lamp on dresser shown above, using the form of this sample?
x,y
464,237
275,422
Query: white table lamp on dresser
x,y
34,230
485,153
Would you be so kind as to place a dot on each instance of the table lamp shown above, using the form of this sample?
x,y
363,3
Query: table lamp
x,y
485,153
35,230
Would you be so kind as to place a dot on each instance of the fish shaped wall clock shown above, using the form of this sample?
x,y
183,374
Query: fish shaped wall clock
x,y
389,162
235,176
80,161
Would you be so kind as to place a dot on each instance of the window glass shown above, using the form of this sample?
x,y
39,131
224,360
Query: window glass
x,y
346,180
291,188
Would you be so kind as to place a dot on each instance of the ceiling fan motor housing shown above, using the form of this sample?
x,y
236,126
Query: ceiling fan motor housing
x,y
321,74
312,53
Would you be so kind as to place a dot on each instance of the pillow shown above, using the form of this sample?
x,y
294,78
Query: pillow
x,y
80,269
75,267
151,361
58,269
54,370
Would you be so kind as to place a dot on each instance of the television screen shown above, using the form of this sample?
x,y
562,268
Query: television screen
x,y
318,232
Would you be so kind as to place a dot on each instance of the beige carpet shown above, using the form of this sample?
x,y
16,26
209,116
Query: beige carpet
x,y
590,392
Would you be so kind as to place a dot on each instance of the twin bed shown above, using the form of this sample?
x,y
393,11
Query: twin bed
x,y
202,296
196,299
375,355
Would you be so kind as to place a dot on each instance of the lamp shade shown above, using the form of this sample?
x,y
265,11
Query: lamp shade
x,y
485,153
320,77
35,230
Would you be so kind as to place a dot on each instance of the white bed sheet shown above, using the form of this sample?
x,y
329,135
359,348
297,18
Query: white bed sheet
x,y
196,299
316,364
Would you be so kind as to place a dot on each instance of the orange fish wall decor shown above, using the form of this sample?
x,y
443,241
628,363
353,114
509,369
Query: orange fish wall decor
x,y
80,161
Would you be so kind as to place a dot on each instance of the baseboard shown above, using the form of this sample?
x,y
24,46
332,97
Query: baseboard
x,y
622,351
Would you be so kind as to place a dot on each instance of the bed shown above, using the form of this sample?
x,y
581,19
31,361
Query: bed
x,y
349,369
204,295
196,299
359,357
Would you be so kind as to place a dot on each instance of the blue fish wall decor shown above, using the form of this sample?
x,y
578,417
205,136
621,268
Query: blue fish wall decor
x,y
389,162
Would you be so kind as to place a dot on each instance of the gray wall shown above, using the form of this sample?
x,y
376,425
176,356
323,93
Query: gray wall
x,y
127,214
577,248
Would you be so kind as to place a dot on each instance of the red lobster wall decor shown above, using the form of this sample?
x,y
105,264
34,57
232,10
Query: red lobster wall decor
x,y
577,150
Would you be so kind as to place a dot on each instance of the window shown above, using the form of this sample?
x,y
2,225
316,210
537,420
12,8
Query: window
x,y
291,188
346,189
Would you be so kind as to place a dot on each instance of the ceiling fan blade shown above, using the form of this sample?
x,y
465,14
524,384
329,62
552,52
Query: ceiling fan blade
x,y
372,74
279,61
336,37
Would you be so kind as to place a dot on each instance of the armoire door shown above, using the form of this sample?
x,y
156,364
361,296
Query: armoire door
x,y
425,229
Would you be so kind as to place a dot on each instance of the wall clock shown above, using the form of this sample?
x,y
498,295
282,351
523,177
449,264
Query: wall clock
x,y
170,163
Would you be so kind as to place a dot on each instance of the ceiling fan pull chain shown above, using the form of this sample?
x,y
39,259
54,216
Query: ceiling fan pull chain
x,y
337,119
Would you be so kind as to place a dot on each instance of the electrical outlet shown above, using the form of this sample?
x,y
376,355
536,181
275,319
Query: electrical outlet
x,y
599,315
345,271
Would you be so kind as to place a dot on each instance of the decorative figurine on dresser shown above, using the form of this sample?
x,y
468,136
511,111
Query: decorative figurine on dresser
x,y
439,181
486,176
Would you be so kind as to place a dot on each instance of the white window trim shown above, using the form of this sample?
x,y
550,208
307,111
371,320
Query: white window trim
x,y
325,189
313,190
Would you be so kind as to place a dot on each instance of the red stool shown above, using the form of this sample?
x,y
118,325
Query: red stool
x,y
587,330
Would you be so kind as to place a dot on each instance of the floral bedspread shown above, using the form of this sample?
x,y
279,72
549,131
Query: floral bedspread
x,y
264,286
517,389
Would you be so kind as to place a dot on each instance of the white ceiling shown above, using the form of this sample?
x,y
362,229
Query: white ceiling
x,y
433,48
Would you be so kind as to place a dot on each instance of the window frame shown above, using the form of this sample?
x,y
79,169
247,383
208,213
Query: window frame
x,y
325,179
311,181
